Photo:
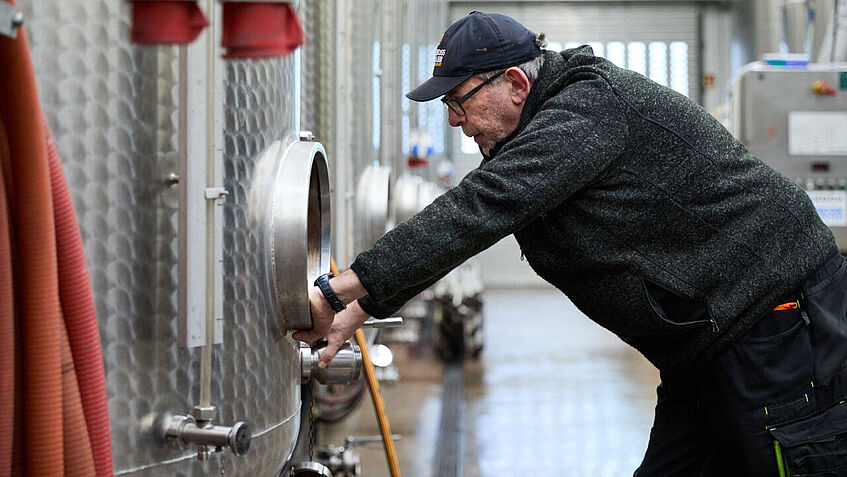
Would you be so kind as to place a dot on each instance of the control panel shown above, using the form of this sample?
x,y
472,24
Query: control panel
x,y
795,120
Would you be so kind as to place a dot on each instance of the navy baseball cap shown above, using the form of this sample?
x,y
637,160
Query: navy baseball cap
x,y
477,43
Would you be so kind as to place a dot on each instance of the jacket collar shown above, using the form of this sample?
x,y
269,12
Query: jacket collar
x,y
546,86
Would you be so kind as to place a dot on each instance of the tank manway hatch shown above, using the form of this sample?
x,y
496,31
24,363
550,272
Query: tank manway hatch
x,y
299,227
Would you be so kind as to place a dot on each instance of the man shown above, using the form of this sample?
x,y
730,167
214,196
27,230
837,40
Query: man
x,y
658,225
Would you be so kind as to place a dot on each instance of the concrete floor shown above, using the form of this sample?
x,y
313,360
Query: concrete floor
x,y
553,394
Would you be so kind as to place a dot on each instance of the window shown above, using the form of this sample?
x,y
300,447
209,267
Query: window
x,y
636,57
375,93
598,48
659,62
679,67
405,85
405,78
616,53
665,63
424,70
436,112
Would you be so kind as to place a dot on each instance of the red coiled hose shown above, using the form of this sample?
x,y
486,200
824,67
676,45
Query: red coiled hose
x,y
58,423
8,350
77,301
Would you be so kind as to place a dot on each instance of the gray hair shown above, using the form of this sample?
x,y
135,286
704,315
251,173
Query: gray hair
x,y
530,68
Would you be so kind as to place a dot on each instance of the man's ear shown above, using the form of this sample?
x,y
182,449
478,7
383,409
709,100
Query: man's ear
x,y
519,85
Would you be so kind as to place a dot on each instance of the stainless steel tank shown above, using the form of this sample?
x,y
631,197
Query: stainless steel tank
x,y
411,194
406,197
373,206
114,110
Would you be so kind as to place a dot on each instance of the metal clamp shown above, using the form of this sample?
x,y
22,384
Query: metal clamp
x,y
213,193
171,179
10,20
345,367
309,469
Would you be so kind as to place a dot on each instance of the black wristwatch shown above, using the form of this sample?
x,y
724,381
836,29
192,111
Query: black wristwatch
x,y
323,283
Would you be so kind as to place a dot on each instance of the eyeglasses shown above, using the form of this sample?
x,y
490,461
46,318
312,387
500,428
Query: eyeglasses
x,y
455,105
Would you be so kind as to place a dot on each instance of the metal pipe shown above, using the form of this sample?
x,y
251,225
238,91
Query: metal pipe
x,y
392,322
206,351
187,431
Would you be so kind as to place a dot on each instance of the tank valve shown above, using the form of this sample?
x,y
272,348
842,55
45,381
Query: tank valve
x,y
309,469
345,367
341,461
10,20
187,431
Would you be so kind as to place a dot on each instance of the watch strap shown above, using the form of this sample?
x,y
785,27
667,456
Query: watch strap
x,y
322,283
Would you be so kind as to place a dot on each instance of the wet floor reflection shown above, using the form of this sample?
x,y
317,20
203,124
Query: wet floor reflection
x,y
552,395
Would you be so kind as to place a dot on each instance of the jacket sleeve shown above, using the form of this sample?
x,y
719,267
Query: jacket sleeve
x,y
387,308
574,136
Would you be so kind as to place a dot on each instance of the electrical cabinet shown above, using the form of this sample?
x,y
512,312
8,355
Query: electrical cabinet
x,y
795,120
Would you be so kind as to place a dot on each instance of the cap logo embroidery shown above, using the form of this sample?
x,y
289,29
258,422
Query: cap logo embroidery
x,y
439,56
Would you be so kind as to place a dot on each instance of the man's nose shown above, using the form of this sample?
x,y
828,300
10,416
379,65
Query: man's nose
x,y
454,119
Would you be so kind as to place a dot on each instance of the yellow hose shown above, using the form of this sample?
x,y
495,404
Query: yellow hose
x,y
379,405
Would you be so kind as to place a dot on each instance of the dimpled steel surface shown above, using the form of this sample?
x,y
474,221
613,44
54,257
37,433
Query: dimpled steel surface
x,y
113,108
259,363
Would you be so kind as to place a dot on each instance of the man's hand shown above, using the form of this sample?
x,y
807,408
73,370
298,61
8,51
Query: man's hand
x,y
325,323
346,323
322,316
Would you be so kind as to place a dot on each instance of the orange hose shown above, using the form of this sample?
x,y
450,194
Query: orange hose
x,y
7,328
56,412
77,452
35,261
82,332
379,405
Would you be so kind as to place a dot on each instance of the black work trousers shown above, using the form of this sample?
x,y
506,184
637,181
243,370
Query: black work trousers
x,y
775,403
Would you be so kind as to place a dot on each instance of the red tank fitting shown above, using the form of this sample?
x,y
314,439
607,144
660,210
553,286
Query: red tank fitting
x,y
166,22
260,29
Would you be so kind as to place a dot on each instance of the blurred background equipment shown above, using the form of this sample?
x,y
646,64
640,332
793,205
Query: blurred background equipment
x,y
199,161
795,119
373,205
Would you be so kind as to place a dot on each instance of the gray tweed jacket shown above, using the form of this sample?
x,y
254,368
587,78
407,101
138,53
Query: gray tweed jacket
x,y
633,201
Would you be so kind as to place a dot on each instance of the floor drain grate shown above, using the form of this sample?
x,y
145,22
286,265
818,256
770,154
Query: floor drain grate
x,y
448,453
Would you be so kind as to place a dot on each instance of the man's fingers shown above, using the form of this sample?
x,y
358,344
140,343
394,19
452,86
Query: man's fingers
x,y
341,328
306,336
329,352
